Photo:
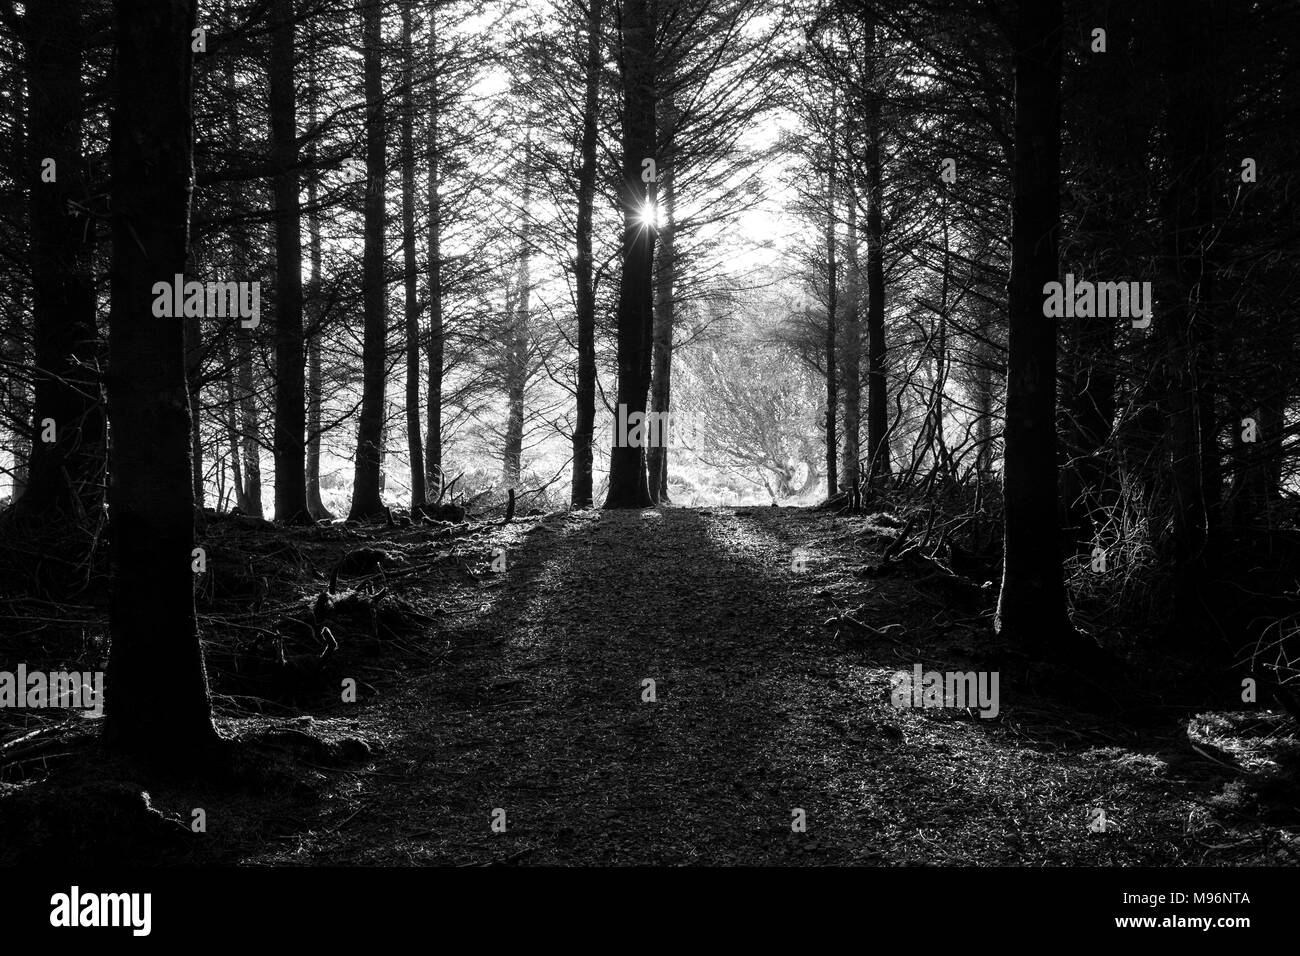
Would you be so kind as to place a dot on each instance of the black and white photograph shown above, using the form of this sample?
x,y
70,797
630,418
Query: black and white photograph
x,y
677,449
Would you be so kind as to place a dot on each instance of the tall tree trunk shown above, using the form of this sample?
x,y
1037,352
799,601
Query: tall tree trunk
x,y
433,434
934,439
315,507
157,695
13,348
194,390
289,442
832,304
249,496
627,474
665,278
414,441
985,357
516,344
250,428
366,500
17,398
583,269
1031,607
516,352
851,353
878,456
232,431
65,474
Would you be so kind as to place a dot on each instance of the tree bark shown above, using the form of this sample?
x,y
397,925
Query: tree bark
x,y
879,465
851,353
194,389
249,496
664,310
1031,607
157,696
366,501
64,475
232,432
436,345
661,373
289,438
414,441
315,507
583,269
627,466
13,347
249,426
832,304
516,340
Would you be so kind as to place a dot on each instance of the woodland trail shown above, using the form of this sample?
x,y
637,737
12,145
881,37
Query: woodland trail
x,y
537,709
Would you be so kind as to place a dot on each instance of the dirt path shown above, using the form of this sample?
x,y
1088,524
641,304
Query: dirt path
x,y
760,710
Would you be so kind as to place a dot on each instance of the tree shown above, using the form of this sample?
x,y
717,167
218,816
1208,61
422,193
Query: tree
x,y
67,455
832,307
366,502
411,306
156,701
877,386
290,388
1031,605
316,508
627,464
584,270
665,302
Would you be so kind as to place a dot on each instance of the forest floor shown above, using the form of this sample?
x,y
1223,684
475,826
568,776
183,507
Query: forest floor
x,y
525,691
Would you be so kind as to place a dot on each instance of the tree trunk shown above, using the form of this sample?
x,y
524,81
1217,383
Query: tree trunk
x,y
851,353
249,496
157,695
433,434
414,441
366,502
832,303
194,390
315,507
65,474
516,343
665,278
661,374
289,441
627,474
1031,607
878,456
17,398
232,433
583,268
985,356
935,441
13,348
